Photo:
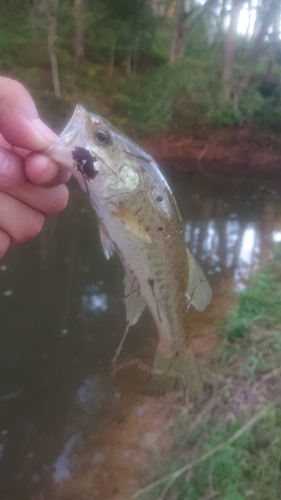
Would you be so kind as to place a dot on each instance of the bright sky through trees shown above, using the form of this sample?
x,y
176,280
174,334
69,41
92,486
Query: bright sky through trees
x,y
247,19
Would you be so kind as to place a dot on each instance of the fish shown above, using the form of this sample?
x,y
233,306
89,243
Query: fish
x,y
139,219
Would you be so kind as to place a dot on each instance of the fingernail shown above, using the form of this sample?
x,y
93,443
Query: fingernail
x,y
44,130
4,163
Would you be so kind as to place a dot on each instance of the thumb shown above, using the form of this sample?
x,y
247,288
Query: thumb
x,y
20,124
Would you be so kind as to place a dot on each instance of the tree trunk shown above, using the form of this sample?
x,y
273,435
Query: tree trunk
x,y
230,48
136,35
258,19
248,33
52,34
221,19
78,40
179,31
276,24
219,35
267,20
173,45
47,18
129,61
110,67
135,52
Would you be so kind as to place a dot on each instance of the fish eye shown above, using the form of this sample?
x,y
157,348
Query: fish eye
x,y
102,136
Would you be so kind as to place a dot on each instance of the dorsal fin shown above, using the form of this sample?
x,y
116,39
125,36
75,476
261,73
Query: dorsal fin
x,y
199,292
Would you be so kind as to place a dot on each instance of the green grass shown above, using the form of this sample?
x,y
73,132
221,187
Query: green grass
x,y
246,381
249,468
259,303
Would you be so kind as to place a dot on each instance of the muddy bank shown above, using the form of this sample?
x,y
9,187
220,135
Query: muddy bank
x,y
245,150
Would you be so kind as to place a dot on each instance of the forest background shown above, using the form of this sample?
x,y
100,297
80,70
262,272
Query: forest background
x,y
149,65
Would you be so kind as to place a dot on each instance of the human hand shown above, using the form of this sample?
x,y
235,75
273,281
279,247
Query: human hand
x,y
31,185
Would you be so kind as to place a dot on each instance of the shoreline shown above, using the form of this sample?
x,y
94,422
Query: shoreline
x,y
240,150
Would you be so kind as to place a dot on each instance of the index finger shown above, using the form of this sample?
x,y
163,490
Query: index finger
x,y
20,124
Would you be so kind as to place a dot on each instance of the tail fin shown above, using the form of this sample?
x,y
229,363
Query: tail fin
x,y
176,374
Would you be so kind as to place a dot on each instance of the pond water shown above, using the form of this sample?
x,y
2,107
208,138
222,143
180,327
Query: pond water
x,y
62,414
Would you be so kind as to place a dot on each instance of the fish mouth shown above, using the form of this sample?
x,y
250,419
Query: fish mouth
x,y
76,123
74,134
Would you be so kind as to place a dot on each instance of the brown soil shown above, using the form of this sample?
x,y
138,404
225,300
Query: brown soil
x,y
246,148
124,452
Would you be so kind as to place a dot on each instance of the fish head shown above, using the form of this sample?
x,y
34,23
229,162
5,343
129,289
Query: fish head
x,y
93,149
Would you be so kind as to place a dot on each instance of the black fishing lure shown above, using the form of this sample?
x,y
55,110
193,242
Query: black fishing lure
x,y
85,162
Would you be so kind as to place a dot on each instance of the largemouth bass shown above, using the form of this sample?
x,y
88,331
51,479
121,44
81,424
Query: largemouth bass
x,y
138,218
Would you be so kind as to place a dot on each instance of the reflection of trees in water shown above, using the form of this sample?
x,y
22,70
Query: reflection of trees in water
x,y
69,279
47,252
229,228
265,233
232,238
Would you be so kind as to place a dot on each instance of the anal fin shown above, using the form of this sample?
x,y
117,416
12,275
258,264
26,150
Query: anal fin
x,y
134,307
199,292
134,302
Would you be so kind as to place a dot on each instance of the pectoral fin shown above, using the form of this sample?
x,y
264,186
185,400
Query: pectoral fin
x,y
199,292
132,223
107,244
133,301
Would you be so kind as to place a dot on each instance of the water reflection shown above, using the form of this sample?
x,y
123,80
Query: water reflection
x,y
62,316
232,232
90,395
94,301
62,465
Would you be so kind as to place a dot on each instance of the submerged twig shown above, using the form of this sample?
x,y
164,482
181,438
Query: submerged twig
x,y
142,366
119,348
173,476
